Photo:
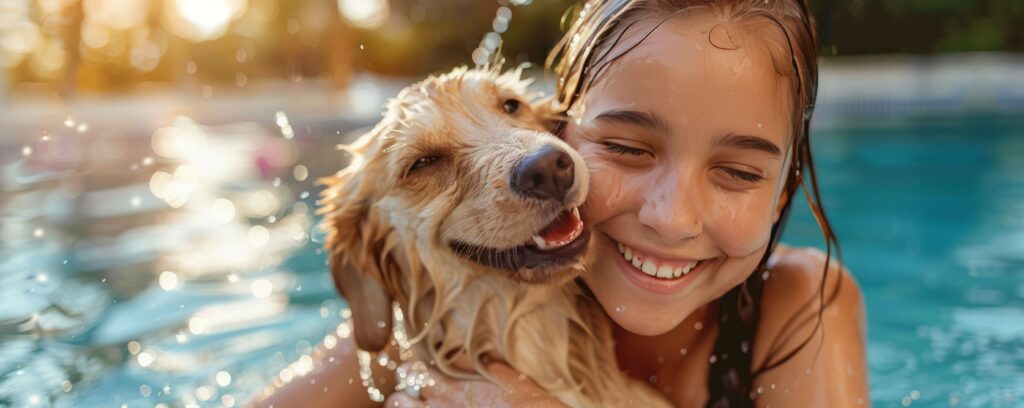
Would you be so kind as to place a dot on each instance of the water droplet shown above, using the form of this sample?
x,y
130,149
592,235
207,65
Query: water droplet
x,y
765,275
713,359
653,379
168,280
223,378
305,194
259,236
145,359
698,326
682,351
620,309
300,172
82,128
69,122
261,288
26,151
381,324
145,390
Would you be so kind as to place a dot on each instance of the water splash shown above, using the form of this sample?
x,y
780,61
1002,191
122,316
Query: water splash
x,y
489,50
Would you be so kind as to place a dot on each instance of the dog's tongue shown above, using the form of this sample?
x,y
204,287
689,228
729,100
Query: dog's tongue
x,y
563,230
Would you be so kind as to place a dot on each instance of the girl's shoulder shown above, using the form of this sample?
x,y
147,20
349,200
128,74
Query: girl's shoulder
x,y
831,347
797,275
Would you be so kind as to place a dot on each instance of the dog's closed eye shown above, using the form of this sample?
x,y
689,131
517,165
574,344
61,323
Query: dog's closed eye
x,y
422,163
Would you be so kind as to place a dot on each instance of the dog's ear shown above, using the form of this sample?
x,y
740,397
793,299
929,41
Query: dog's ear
x,y
370,305
358,260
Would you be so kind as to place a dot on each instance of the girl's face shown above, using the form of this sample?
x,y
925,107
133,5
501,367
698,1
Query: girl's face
x,y
687,146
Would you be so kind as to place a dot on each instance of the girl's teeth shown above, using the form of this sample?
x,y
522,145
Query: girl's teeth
x,y
651,268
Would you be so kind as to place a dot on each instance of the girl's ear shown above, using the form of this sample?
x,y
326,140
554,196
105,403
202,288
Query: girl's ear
x,y
358,257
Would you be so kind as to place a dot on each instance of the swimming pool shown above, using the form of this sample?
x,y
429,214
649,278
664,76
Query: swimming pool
x,y
158,277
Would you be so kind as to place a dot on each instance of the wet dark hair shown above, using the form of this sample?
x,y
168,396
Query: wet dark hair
x,y
586,51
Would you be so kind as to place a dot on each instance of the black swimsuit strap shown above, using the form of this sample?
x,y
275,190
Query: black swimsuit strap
x,y
730,378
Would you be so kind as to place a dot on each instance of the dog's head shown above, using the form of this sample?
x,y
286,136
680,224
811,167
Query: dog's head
x,y
462,170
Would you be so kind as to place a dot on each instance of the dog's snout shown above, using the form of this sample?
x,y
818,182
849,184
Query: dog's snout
x,y
545,174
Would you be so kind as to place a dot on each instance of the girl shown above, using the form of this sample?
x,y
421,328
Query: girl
x,y
693,117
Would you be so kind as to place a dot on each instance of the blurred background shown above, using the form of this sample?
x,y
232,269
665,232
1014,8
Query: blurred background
x,y
158,166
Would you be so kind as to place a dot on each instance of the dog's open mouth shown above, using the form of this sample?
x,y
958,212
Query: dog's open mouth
x,y
560,242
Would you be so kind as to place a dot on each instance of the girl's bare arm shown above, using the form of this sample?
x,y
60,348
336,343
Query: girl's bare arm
x,y
333,382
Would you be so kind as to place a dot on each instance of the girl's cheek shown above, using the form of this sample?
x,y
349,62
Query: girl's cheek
x,y
607,189
740,224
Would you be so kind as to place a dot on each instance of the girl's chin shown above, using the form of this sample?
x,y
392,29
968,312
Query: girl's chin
x,y
644,323
634,313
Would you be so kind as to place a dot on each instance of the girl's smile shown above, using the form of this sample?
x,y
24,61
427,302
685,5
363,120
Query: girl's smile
x,y
656,272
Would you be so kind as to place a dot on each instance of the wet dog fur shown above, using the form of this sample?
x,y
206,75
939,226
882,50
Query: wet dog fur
x,y
435,171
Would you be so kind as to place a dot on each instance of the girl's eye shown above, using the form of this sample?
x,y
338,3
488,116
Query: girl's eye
x,y
423,162
624,150
511,106
742,175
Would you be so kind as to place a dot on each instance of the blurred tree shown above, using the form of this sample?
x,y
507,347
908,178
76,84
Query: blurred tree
x,y
920,26
214,46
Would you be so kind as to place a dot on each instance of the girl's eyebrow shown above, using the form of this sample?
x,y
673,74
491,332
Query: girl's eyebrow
x,y
748,142
647,120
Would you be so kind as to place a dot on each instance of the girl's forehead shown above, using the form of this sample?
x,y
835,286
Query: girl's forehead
x,y
677,70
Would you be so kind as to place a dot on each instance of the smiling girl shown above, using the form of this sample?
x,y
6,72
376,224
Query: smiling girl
x,y
693,116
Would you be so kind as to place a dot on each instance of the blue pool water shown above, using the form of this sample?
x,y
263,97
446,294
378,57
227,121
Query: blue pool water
x,y
196,287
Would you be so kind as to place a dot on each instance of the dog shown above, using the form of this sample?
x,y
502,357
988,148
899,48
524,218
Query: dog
x,y
461,206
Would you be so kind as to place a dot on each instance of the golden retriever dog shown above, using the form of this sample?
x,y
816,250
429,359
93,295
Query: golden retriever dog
x,y
461,207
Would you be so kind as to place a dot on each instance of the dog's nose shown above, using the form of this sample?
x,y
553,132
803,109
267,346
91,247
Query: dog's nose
x,y
545,174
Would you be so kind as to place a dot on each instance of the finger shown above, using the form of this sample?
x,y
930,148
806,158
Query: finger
x,y
403,400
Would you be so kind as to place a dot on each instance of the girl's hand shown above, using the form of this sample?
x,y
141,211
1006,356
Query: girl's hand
x,y
515,390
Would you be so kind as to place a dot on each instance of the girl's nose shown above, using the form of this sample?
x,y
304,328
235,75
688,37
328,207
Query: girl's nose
x,y
672,210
